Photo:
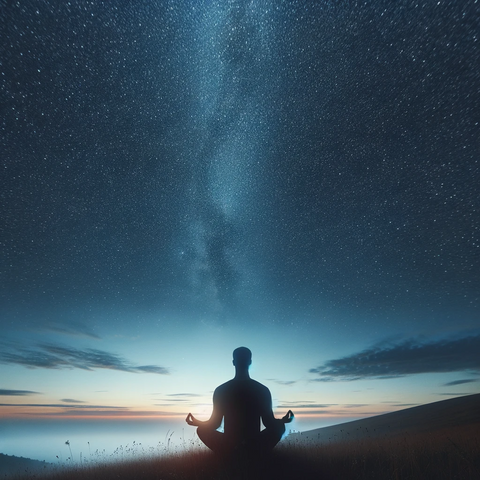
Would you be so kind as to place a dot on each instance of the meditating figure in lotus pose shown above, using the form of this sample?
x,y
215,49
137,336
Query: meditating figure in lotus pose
x,y
241,403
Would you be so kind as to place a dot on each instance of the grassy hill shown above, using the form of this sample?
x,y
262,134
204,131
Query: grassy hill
x,y
432,418
10,465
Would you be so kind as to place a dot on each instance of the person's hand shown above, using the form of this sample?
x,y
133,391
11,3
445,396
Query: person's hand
x,y
191,420
288,417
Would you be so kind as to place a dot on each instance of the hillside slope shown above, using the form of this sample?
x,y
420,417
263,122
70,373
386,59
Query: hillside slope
x,y
434,417
9,464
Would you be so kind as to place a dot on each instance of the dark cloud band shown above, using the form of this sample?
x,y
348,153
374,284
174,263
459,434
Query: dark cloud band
x,y
406,358
58,357
16,393
460,382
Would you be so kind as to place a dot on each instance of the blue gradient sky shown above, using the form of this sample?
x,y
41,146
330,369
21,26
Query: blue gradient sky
x,y
182,178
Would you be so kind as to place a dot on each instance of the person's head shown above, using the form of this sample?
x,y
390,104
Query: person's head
x,y
242,357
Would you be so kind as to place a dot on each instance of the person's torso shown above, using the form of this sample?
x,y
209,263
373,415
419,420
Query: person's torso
x,y
243,403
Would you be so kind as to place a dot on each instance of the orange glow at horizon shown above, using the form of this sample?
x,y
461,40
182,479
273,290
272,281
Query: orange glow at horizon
x,y
40,412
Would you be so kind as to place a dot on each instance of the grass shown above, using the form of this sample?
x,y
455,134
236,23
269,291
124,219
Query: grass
x,y
451,454
445,455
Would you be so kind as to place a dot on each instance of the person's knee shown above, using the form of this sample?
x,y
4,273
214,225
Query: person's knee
x,y
273,434
211,438
203,432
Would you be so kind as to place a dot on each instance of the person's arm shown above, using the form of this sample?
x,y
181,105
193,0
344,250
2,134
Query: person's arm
x,y
215,419
268,418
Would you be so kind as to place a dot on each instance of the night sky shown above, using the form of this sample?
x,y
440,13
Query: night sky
x,y
180,178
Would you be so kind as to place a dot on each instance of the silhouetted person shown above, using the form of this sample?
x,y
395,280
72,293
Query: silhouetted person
x,y
241,403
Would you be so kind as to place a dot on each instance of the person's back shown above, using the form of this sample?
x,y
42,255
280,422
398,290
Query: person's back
x,y
242,403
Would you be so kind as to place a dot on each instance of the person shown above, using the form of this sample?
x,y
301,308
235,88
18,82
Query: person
x,y
241,402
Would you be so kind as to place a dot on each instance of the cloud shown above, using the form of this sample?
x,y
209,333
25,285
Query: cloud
x,y
304,405
107,413
459,382
183,395
71,400
454,394
17,393
152,369
404,358
283,382
78,330
177,398
59,405
58,357
322,379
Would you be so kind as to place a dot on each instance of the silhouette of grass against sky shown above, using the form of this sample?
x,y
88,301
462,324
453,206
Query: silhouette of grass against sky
x,y
446,454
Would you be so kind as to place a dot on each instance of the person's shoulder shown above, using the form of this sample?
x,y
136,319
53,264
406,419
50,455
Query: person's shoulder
x,y
224,386
260,386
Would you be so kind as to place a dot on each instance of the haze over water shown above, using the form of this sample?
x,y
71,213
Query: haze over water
x,y
100,440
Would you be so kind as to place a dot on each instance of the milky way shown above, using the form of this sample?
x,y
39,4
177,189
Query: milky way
x,y
228,64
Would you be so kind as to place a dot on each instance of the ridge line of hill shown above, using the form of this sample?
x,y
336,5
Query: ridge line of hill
x,y
430,417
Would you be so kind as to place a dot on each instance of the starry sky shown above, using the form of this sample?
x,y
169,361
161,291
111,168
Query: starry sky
x,y
180,178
